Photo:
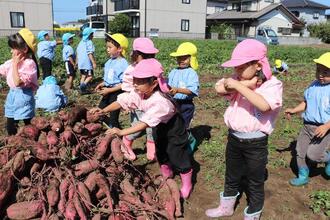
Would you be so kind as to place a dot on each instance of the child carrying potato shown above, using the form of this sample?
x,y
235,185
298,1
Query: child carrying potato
x,y
21,73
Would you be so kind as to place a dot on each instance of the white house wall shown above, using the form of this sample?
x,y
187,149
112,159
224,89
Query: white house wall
x,y
37,15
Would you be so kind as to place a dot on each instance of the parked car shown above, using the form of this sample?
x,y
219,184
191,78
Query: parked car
x,y
98,26
265,35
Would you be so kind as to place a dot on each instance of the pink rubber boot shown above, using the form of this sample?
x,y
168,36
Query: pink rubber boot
x,y
226,207
252,216
166,171
127,149
186,184
151,150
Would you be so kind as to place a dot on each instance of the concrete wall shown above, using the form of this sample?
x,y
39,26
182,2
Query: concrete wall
x,y
290,40
37,15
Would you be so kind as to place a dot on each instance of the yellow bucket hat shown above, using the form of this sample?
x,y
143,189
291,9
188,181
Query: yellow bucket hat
x,y
324,60
278,63
187,48
29,38
121,40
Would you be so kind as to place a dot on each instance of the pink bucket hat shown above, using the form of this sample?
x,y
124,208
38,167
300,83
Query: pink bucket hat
x,y
144,45
151,67
249,50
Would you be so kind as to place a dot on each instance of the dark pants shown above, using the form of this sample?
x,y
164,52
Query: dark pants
x,y
46,66
13,124
246,158
114,116
187,109
171,140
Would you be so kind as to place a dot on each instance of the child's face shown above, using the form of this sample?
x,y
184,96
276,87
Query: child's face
x,y
247,71
18,52
322,74
112,50
47,37
70,41
183,61
144,86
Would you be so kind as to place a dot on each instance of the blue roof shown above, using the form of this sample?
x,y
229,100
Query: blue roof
x,y
303,4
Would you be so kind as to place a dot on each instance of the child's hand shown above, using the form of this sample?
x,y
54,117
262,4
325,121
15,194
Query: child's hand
x,y
173,91
17,57
98,87
230,83
321,131
288,112
95,111
114,131
103,91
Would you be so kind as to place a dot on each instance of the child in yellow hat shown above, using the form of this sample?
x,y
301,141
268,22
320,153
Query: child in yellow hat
x,y
280,67
21,72
110,88
314,138
184,83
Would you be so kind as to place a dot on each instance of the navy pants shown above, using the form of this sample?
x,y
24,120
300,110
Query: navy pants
x,y
114,116
187,109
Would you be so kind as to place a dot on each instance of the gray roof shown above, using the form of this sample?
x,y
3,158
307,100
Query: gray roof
x,y
303,4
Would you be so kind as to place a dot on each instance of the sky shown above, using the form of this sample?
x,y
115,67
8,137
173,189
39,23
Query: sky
x,y
72,10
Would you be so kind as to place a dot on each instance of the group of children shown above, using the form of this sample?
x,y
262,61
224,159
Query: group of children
x,y
163,109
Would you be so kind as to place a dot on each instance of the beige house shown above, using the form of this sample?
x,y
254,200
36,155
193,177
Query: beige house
x,y
158,18
33,14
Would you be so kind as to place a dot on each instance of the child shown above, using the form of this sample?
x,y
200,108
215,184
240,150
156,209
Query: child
x,y
184,84
280,67
69,59
49,96
314,138
21,74
110,88
143,48
46,52
85,59
169,132
255,100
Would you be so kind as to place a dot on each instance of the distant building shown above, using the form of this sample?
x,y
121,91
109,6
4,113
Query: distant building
x,y
307,11
214,6
72,24
247,16
33,14
158,18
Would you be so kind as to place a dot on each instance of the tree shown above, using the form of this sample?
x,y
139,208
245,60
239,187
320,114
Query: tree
x,y
120,24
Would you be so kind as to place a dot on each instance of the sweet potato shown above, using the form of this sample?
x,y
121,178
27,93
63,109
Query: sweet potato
x,y
70,211
76,114
25,210
41,152
36,167
103,184
67,137
63,191
40,122
53,194
84,195
90,181
127,187
116,151
102,146
97,217
29,131
16,164
78,128
85,167
52,138
42,138
25,181
6,180
165,198
56,124
79,207
94,128
175,192
92,118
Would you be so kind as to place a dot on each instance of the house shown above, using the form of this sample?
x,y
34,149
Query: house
x,y
246,16
168,19
72,24
307,11
214,6
33,14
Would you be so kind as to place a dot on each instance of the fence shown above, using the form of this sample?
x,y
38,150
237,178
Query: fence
x,y
8,32
298,40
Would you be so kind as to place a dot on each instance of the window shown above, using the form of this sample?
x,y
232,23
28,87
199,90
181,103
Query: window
x,y
284,30
246,6
296,13
272,1
218,9
17,19
185,1
316,15
236,6
184,25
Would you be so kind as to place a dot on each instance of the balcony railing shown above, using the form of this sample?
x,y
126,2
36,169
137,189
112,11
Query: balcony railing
x,y
94,10
121,5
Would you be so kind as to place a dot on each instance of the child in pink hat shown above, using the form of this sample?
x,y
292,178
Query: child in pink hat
x,y
143,48
255,98
160,114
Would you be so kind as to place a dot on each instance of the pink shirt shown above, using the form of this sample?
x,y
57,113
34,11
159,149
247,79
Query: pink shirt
x,y
127,84
242,116
157,109
27,71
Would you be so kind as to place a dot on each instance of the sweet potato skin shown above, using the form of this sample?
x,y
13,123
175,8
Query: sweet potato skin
x,y
25,210
116,151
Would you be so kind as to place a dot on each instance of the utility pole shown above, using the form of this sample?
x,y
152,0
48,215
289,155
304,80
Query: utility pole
x,y
145,18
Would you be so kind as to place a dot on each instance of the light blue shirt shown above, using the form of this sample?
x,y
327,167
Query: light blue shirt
x,y
184,78
67,52
317,97
113,71
84,48
50,97
46,49
284,67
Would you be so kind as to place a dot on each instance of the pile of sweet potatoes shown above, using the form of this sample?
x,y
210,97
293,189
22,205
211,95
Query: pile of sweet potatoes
x,y
65,167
